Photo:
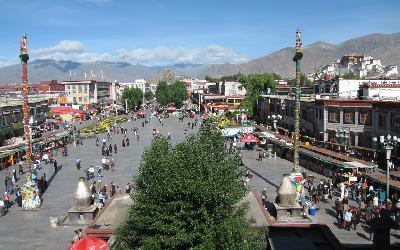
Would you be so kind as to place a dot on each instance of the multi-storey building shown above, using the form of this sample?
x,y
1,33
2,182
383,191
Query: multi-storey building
x,y
90,91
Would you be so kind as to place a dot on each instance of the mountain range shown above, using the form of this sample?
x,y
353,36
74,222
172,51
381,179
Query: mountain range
x,y
381,46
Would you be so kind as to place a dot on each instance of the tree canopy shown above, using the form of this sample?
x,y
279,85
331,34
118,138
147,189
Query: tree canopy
x,y
148,95
304,81
255,85
174,93
350,75
188,197
133,96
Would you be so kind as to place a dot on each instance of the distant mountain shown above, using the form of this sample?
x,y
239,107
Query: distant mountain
x,y
381,46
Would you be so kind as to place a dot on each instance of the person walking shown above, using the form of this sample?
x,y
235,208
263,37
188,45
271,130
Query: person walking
x,y
97,141
78,163
260,155
127,142
6,198
19,197
113,188
110,149
347,220
44,181
2,209
21,169
128,188
123,143
55,166
115,148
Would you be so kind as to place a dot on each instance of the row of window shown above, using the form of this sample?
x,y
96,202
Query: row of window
x,y
77,88
364,116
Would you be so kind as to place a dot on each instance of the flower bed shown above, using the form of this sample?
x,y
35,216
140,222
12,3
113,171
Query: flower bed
x,y
103,125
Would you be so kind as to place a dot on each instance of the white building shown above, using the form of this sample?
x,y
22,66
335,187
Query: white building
x,y
234,89
380,88
90,91
361,65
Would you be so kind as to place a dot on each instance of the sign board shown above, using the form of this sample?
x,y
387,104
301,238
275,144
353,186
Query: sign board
x,y
230,132
62,99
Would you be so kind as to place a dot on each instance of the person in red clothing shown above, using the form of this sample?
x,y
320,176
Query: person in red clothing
x,y
7,198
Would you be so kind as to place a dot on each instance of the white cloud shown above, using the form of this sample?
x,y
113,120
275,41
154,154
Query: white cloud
x,y
75,51
63,47
4,62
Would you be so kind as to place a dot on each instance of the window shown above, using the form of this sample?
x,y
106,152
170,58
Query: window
x,y
334,115
395,122
365,117
348,117
382,120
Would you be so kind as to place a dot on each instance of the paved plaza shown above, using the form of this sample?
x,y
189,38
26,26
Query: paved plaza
x,y
268,174
32,230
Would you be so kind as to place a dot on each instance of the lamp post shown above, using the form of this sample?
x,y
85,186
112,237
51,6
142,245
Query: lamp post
x,y
387,145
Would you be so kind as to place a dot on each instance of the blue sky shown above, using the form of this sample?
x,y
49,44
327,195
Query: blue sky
x,y
155,32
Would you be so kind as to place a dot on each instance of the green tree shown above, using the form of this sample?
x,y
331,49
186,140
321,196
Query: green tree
x,y
162,93
174,93
148,95
350,75
304,81
133,96
177,93
255,85
188,197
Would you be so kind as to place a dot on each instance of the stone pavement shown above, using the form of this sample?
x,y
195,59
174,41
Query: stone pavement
x,y
268,174
31,229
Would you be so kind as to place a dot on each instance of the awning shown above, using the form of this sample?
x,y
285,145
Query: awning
x,y
249,138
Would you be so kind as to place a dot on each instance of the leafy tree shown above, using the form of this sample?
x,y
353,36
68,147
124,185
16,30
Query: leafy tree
x,y
304,81
350,75
174,93
162,94
148,95
188,197
133,96
255,85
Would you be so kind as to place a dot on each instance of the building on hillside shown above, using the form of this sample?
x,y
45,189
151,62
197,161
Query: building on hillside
x,y
363,66
90,91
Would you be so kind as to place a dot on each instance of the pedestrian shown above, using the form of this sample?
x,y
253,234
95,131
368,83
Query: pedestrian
x,y
104,142
63,151
110,149
55,166
80,234
76,237
137,136
6,198
113,188
14,175
44,181
127,142
123,143
97,141
142,124
128,188
115,149
260,155
19,197
2,209
78,163
264,196
347,219
21,169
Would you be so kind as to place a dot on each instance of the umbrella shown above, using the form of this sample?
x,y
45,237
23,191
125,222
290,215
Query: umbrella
x,y
249,138
89,243
171,108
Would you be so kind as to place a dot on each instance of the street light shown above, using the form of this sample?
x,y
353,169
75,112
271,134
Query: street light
x,y
386,144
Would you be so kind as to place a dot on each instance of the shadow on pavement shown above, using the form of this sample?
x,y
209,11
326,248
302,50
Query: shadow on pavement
x,y
262,177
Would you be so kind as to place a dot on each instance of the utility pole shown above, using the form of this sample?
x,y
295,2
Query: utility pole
x,y
297,58
24,60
